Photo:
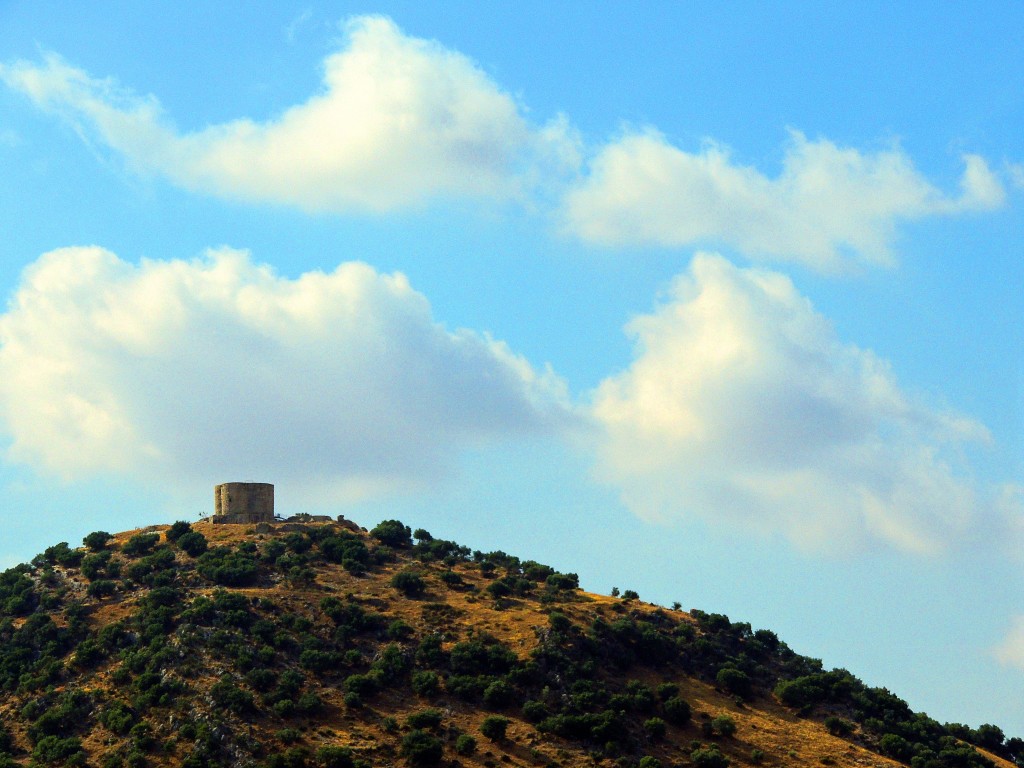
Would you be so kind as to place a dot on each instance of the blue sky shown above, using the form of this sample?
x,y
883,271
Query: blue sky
x,y
716,302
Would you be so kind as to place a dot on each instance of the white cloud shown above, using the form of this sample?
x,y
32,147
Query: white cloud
x,y
743,408
828,207
193,372
1016,174
1010,652
398,121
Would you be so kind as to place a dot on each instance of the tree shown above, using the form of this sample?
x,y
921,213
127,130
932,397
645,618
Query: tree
x,y
409,583
192,543
178,530
677,710
96,540
735,681
655,727
393,533
422,748
494,727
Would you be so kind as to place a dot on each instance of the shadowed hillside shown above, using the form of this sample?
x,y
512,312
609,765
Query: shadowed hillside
x,y
320,644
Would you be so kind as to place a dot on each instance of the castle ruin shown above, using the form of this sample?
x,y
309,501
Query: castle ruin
x,y
243,503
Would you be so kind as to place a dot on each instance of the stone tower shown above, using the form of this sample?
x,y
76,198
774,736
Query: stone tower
x,y
243,503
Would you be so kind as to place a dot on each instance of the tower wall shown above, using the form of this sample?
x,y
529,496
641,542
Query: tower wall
x,y
243,503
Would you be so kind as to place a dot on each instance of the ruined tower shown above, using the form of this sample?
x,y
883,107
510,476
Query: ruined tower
x,y
243,503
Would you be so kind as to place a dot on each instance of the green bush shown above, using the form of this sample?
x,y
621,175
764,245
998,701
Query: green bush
x,y
176,531
499,694
118,717
334,757
54,750
96,540
535,711
192,543
393,533
735,681
655,727
101,588
494,727
425,682
140,544
647,761
677,710
422,748
724,725
465,744
837,726
425,718
410,583
709,757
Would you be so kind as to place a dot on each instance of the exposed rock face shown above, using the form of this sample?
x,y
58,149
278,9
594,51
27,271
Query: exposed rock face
x,y
243,503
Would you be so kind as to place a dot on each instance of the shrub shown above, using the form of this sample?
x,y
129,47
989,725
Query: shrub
x,y
630,594
361,685
335,757
895,746
647,761
667,691
837,726
410,583
55,750
101,588
176,531
499,694
62,554
677,710
709,757
465,744
228,695
425,718
425,682
735,681
724,725
494,727
192,543
535,711
757,756
400,630
392,533
421,748
118,717
655,727
566,581
140,544
96,540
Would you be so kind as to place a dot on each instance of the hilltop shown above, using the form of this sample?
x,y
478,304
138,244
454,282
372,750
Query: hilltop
x,y
318,643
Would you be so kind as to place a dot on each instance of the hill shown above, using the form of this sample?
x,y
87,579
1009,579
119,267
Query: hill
x,y
313,643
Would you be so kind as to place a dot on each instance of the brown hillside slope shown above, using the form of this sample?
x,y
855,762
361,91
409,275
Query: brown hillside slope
x,y
304,644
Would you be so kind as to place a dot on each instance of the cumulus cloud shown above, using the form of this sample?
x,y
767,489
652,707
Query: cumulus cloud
x,y
398,121
743,408
829,206
1010,652
196,371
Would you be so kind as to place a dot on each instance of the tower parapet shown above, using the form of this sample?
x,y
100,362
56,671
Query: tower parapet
x,y
243,503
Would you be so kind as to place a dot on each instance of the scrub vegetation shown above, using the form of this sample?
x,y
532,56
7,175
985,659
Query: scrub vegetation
x,y
317,644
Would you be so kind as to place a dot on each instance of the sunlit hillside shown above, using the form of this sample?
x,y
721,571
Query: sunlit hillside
x,y
321,644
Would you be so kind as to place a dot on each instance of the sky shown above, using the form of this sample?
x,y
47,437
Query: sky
x,y
720,302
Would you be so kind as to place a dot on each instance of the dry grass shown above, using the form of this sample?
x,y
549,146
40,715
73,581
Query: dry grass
x,y
762,724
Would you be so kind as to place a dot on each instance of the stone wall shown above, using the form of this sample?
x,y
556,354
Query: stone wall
x,y
243,503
